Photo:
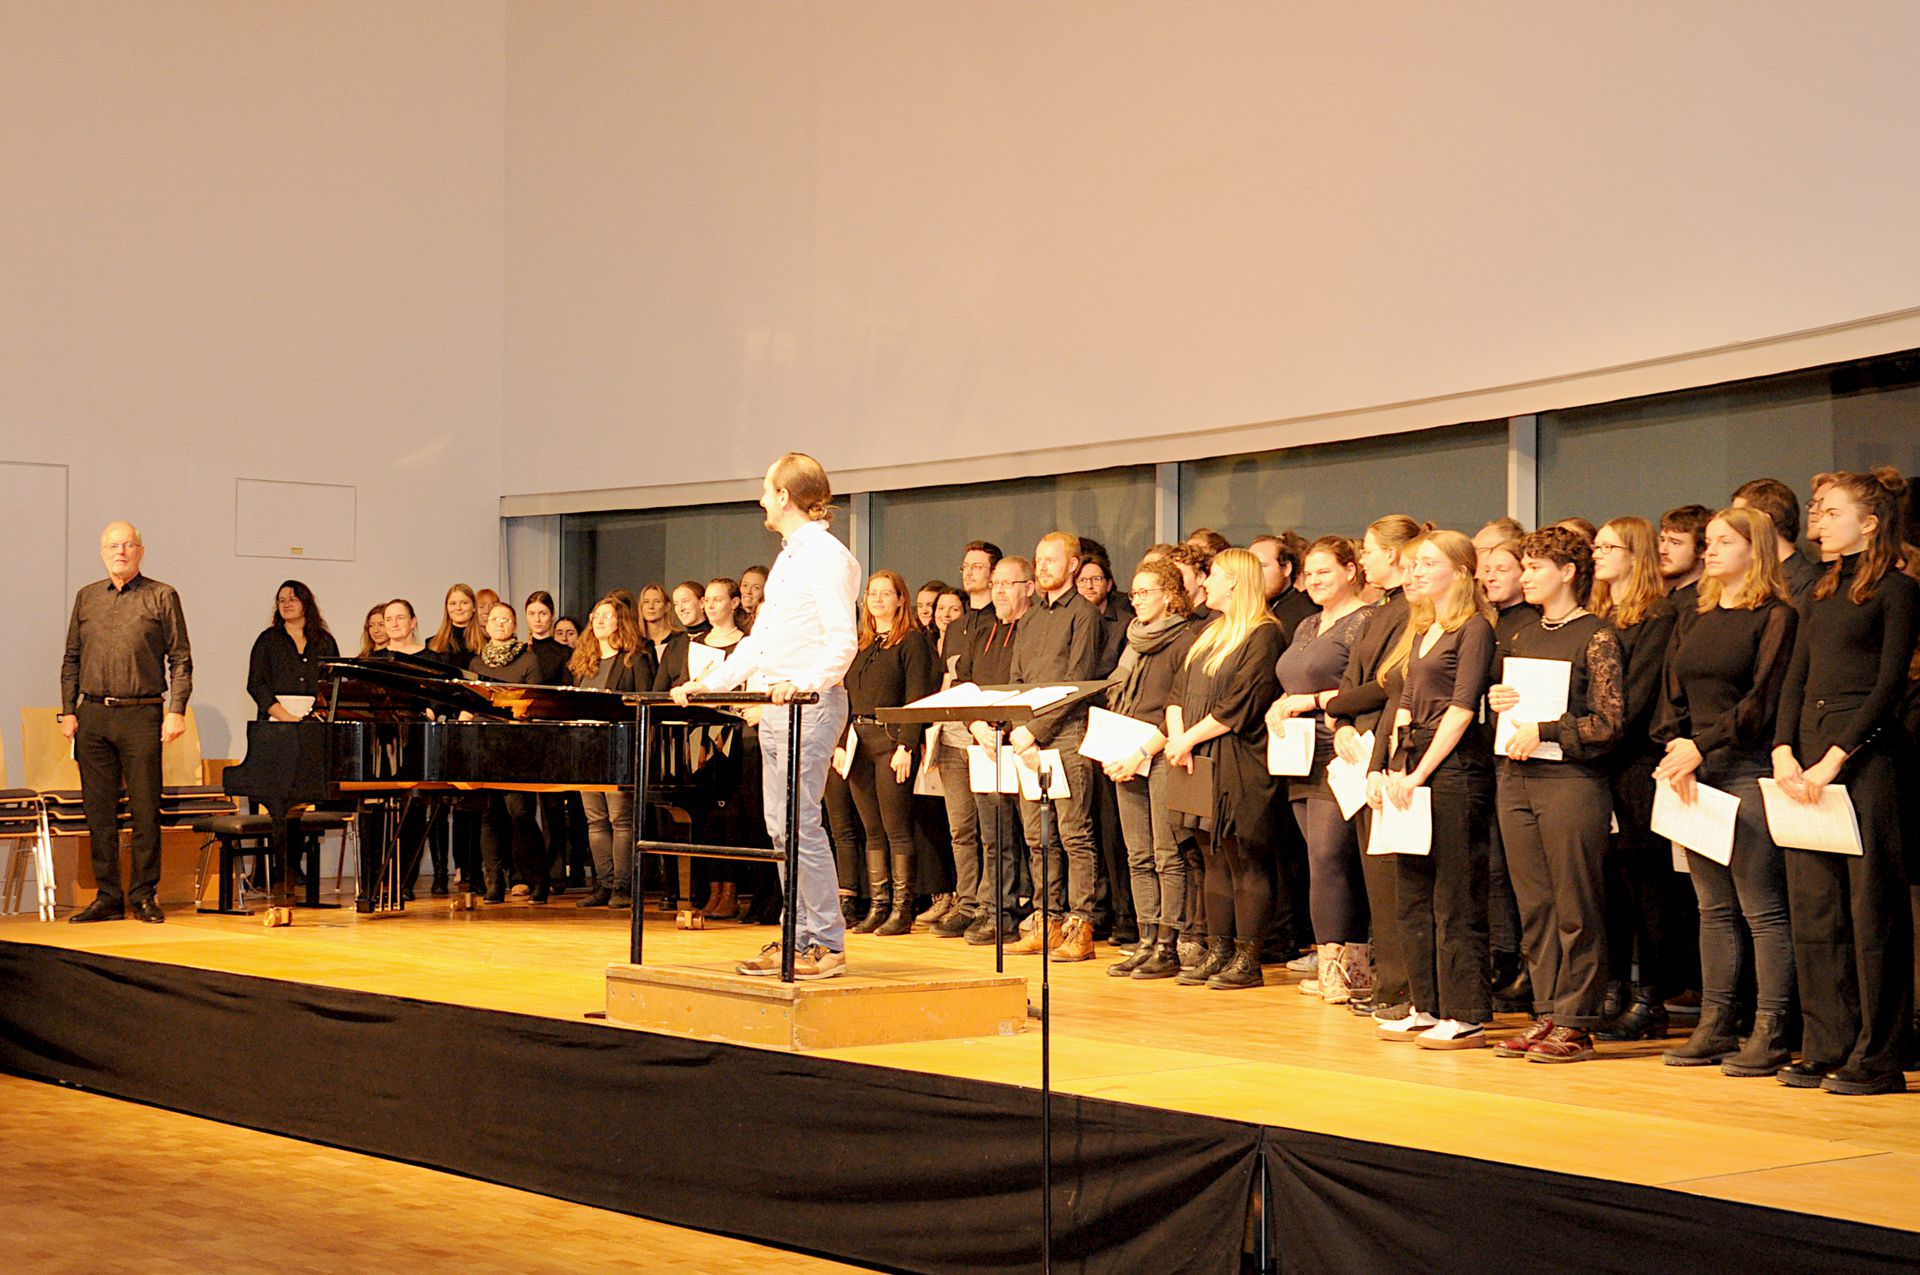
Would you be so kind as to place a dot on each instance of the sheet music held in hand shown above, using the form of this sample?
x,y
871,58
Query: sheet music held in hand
x,y
1114,736
981,776
1409,831
1543,698
1832,826
1704,827
1348,780
848,747
702,660
1290,749
1057,789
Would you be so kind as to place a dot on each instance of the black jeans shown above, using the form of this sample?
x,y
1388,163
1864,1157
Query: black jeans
x,y
1381,876
116,747
1338,891
1852,932
885,804
1442,896
843,829
1753,887
1650,907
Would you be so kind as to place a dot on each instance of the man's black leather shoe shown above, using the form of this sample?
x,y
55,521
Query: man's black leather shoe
x,y
99,910
149,911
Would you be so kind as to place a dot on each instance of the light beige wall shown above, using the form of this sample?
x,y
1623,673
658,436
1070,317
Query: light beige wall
x,y
900,233
255,240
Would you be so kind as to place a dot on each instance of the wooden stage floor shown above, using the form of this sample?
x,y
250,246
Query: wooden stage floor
x,y
1266,1056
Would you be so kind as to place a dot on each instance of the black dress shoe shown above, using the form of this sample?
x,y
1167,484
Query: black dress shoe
x,y
99,910
1806,1074
1644,1020
598,899
1858,1080
149,911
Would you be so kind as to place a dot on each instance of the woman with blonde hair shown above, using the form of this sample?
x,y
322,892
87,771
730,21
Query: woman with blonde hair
x,y
1554,806
1649,906
1217,708
1355,710
1725,671
461,632
1441,664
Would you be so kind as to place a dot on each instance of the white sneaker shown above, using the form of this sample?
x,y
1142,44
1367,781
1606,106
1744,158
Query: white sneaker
x,y
1406,1028
1451,1033
1309,987
1307,964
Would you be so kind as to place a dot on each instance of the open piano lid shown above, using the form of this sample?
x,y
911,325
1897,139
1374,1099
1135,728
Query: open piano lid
x,y
403,686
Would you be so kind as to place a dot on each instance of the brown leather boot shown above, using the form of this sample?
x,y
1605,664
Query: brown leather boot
x,y
1076,941
1031,942
724,903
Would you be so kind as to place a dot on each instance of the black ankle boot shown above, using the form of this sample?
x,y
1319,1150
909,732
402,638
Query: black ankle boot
x,y
1765,1051
1163,961
877,913
1142,952
1644,1020
1711,1041
899,921
1615,1003
1219,952
1242,971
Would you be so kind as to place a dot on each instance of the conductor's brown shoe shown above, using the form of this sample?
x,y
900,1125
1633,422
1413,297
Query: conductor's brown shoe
x,y
1076,941
1030,944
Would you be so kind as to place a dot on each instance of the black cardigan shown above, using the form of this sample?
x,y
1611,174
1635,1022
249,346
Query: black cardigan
x,y
886,677
278,668
1248,802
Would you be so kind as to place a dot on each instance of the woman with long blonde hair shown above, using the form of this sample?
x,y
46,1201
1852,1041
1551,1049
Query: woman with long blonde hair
x,y
1441,665
1355,710
1649,907
1729,661
462,632
1217,708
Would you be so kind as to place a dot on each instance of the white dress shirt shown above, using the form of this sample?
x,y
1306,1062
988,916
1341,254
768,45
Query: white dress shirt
x,y
805,631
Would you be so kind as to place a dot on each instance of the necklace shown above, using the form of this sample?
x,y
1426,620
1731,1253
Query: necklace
x,y
1563,621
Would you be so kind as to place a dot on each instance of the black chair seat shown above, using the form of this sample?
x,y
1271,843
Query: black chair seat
x,y
325,820
20,794
234,825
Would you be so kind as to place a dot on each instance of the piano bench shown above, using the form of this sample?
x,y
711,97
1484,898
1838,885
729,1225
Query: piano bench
x,y
235,836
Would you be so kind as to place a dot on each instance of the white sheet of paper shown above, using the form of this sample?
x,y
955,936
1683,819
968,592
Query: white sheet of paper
x,y
1057,789
965,695
927,779
1543,698
1831,826
1112,736
1705,827
1040,697
848,747
1679,858
1349,781
1290,749
1409,831
980,771
702,660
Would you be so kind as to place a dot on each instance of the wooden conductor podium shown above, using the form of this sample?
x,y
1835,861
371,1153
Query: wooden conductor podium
x,y
881,999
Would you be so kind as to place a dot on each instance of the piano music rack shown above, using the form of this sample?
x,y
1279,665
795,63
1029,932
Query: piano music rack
x,y
647,711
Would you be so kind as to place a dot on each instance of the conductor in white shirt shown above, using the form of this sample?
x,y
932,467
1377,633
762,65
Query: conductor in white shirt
x,y
804,637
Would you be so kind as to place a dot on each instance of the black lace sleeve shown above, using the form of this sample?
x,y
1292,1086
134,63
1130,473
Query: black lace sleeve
x,y
1588,735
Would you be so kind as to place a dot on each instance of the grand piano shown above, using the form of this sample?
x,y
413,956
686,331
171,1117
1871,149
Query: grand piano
x,y
402,728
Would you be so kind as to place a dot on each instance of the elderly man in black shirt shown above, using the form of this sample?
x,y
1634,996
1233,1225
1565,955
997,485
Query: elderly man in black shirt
x,y
127,659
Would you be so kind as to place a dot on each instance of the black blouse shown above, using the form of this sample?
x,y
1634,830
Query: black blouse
x,y
278,668
1849,670
1724,675
1453,673
1247,801
552,656
884,676
1596,688
1362,701
1643,648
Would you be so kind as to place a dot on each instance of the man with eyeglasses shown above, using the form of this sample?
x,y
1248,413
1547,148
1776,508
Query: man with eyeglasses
x,y
124,686
977,561
988,661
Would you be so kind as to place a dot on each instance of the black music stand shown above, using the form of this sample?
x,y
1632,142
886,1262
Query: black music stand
x,y
652,708
1001,717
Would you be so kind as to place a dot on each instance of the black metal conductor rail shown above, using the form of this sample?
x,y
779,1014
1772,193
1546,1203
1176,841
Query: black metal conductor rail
x,y
652,708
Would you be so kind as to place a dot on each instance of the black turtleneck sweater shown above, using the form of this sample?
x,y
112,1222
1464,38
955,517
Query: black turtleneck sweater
x,y
1849,668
